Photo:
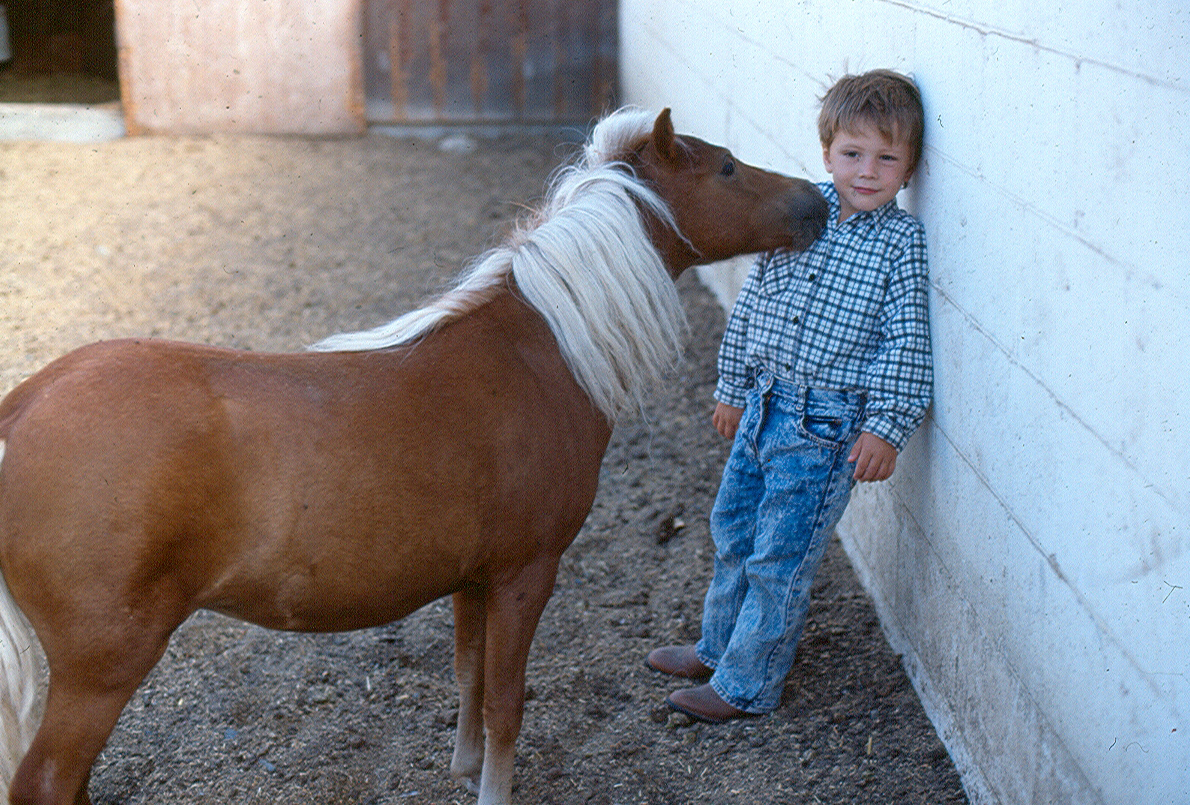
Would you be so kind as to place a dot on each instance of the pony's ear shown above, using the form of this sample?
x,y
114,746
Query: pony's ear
x,y
663,137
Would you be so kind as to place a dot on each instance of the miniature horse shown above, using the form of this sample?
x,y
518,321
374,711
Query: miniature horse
x,y
454,451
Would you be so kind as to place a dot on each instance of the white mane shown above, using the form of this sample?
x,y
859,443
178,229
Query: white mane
x,y
587,265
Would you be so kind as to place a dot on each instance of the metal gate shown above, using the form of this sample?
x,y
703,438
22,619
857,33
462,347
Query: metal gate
x,y
488,61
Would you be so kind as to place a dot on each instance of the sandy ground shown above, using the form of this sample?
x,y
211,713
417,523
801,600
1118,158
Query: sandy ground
x,y
270,244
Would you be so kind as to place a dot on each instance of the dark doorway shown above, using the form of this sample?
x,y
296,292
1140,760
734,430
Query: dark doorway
x,y
62,51
484,61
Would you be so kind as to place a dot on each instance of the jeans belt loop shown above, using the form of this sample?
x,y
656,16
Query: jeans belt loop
x,y
764,382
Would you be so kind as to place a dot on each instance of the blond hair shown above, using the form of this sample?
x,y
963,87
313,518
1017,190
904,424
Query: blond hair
x,y
884,99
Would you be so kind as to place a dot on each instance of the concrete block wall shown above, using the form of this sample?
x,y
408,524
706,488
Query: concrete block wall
x,y
1031,557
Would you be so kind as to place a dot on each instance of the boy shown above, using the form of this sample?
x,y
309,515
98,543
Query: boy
x,y
825,372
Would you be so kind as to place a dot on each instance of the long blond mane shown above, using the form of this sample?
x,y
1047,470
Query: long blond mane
x,y
586,263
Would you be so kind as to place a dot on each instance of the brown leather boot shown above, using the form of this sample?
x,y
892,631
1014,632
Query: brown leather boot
x,y
704,704
678,661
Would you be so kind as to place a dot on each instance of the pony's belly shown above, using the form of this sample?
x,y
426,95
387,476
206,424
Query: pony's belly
x,y
348,601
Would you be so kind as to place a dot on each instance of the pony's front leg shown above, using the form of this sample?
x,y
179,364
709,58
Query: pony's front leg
x,y
514,607
469,637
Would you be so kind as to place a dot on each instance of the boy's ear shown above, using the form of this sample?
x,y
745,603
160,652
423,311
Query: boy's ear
x,y
908,177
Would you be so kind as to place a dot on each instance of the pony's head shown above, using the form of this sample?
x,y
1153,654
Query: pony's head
x,y
721,206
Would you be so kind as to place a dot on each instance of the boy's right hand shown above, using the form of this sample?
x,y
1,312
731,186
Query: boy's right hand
x,y
726,419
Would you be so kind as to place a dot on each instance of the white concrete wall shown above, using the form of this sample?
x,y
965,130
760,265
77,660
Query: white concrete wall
x,y
1031,557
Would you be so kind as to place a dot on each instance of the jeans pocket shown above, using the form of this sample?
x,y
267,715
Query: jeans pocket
x,y
830,431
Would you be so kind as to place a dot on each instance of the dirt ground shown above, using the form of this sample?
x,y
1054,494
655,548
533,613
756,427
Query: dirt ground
x,y
270,244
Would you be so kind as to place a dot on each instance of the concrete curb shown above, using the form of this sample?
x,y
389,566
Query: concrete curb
x,y
61,122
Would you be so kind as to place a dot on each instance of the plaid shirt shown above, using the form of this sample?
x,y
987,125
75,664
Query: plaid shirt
x,y
849,313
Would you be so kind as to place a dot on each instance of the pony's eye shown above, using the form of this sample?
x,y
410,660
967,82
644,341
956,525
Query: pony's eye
x,y
728,167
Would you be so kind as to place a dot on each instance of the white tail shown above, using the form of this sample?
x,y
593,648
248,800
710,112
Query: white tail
x,y
22,683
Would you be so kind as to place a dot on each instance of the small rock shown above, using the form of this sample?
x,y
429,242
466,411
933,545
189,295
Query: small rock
x,y
669,527
320,694
677,720
460,144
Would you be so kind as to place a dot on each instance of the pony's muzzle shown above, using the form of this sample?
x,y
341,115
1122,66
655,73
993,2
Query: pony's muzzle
x,y
806,213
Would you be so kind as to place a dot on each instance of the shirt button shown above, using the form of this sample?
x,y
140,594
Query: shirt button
x,y
813,277
796,320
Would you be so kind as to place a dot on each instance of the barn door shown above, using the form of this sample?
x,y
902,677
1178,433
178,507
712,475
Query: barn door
x,y
488,61
282,66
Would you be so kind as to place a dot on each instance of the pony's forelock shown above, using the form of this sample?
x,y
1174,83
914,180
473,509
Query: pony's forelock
x,y
618,135
586,263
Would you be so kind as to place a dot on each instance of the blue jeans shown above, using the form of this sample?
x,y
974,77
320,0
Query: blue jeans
x,y
785,486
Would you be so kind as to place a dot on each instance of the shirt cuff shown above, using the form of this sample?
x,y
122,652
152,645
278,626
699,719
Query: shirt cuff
x,y
729,394
888,430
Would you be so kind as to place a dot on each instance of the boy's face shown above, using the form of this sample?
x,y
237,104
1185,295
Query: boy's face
x,y
867,169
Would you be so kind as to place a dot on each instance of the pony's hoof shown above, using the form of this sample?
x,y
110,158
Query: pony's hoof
x,y
471,783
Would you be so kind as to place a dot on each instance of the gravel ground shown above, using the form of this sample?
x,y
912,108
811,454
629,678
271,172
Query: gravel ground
x,y
272,243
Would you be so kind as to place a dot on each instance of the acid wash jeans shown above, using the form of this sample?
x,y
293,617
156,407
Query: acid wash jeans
x,y
785,486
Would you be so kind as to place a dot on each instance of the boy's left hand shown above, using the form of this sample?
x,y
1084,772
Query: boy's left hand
x,y
874,458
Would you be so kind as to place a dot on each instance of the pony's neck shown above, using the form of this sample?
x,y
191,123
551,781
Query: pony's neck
x,y
676,252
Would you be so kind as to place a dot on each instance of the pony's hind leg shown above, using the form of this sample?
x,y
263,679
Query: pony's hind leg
x,y
467,761
86,696
57,768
